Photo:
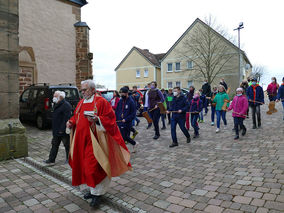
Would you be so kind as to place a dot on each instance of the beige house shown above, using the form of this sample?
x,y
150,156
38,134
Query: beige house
x,y
54,43
179,66
138,68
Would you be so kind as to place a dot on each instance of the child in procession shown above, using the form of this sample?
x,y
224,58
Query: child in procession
x,y
239,106
194,110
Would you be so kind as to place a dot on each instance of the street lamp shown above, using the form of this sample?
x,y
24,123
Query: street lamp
x,y
241,26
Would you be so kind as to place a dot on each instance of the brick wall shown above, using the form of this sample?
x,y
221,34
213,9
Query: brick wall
x,y
83,57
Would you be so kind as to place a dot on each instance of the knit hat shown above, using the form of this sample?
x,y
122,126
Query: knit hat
x,y
239,89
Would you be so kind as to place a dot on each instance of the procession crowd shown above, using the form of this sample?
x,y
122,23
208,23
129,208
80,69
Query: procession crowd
x,y
95,136
185,109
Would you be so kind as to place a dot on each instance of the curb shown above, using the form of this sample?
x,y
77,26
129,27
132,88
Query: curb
x,y
107,198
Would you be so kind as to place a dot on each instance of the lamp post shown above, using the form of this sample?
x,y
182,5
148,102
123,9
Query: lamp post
x,y
241,26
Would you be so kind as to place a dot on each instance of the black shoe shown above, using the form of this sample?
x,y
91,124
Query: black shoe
x,y
149,126
188,139
236,137
163,128
173,145
48,162
254,126
195,136
233,129
88,195
137,123
244,131
259,125
156,137
95,201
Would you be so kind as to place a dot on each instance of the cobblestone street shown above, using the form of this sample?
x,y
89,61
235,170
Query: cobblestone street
x,y
213,173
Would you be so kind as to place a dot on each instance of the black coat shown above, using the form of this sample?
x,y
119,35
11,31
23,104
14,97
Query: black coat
x,y
206,89
61,114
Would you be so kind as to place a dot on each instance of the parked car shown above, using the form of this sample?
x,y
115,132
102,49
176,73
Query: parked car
x,y
107,94
36,102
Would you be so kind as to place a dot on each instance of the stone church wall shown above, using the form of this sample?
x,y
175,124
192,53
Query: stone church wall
x,y
47,26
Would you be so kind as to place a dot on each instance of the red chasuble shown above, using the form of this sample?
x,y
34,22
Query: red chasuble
x,y
96,153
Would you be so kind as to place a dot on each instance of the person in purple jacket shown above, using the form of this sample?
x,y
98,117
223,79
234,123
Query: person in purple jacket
x,y
239,106
155,96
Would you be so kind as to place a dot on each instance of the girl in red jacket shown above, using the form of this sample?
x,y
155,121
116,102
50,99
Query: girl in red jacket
x,y
114,100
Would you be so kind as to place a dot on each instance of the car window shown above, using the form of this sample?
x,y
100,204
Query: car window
x,y
70,93
25,95
34,94
40,93
107,95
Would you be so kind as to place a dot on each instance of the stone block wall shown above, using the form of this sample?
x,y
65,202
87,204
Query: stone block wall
x,y
13,142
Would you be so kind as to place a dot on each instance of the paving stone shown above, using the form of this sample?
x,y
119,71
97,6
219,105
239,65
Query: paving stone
x,y
199,192
242,199
213,209
175,208
258,202
253,194
162,204
274,205
187,203
31,202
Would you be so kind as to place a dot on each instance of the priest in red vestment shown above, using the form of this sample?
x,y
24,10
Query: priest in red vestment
x,y
97,149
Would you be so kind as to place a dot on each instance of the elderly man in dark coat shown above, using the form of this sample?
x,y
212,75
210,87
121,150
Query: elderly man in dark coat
x,y
61,114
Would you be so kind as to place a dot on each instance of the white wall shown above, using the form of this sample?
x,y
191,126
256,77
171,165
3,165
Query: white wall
x,y
47,27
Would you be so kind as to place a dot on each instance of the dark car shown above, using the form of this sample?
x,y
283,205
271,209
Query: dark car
x,y
36,102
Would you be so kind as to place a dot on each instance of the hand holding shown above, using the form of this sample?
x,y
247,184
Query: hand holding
x,y
69,124
179,111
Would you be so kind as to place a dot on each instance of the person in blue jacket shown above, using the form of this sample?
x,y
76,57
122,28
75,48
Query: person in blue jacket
x,y
196,107
255,97
125,113
280,95
178,108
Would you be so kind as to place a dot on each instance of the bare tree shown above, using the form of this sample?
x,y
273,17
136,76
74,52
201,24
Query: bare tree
x,y
257,71
210,52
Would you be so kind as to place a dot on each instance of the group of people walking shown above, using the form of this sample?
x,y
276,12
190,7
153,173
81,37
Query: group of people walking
x,y
98,130
189,109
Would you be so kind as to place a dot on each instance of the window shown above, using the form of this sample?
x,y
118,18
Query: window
x,y
25,95
170,85
178,84
138,86
178,66
170,67
137,73
189,84
146,73
34,94
189,64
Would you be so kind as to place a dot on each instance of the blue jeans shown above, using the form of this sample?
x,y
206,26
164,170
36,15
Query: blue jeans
x,y
221,113
193,119
201,115
163,117
213,110
283,109
205,106
181,123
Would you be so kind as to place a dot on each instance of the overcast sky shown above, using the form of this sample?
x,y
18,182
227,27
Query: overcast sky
x,y
118,25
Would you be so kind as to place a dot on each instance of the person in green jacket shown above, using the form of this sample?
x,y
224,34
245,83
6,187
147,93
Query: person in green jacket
x,y
220,99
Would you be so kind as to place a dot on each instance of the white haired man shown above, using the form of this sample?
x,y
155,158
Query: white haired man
x,y
97,149
60,115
